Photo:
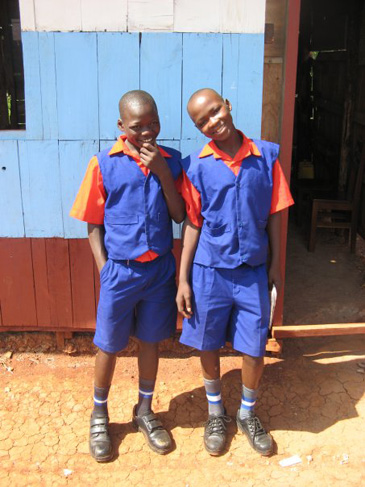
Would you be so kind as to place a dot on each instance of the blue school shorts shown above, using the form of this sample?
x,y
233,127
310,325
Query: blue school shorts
x,y
229,305
136,299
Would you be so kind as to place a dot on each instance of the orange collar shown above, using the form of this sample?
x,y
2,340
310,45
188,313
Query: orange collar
x,y
247,149
121,146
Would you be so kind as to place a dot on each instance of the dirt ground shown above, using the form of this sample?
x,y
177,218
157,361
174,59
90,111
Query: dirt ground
x,y
312,400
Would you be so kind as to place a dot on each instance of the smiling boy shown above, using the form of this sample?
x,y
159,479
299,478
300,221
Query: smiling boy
x,y
234,191
128,198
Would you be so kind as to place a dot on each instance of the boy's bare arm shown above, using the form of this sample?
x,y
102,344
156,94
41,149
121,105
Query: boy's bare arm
x,y
190,240
274,231
152,158
96,240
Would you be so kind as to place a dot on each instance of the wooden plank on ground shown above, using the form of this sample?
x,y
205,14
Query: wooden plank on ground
x,y
16,283
82,283
59,282
295,331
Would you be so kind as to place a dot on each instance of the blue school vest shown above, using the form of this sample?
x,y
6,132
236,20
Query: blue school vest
x,y
235,208
136,215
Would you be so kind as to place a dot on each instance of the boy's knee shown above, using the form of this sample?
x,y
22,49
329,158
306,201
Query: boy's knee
x,y
253,361
148,345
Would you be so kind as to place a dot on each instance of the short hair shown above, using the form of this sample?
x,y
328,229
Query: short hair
x,y
135,98
201,92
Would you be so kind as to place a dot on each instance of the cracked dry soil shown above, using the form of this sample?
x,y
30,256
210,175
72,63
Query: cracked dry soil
x,y
312,400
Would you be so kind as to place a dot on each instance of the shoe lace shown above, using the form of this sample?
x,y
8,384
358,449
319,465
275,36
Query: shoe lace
x,y
216,424
255,427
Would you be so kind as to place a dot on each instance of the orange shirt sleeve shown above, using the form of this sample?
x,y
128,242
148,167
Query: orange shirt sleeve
x,y
281,196
90,200
192,199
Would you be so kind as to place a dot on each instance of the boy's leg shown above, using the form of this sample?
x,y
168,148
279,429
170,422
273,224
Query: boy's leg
x,y
100,443
215,428
247,421
144,419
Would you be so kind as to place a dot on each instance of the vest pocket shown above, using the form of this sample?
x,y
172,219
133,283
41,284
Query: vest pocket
x,y
217,231
122,220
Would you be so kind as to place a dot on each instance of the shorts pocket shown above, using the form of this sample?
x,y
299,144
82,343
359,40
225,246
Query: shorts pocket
x,y
104,268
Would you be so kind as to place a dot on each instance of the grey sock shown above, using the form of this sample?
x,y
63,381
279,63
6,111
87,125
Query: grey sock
x,y
248,401
213,392
146,389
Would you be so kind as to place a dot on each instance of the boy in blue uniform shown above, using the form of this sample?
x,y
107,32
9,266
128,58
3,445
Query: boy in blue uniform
x,y
128,197
234,191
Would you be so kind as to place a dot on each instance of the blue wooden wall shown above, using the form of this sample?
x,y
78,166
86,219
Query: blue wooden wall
x,y
73,82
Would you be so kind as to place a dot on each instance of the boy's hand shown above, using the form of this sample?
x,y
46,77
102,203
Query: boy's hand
x,y
275,277
183,300
153,160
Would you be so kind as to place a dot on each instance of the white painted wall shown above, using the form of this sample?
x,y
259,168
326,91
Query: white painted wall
x,y
241,16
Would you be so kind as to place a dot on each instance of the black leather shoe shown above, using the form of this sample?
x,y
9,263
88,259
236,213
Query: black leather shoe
x,y
215,434
256,434
157,437
99,444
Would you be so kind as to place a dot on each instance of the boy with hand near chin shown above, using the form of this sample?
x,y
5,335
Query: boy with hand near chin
x,y
128,197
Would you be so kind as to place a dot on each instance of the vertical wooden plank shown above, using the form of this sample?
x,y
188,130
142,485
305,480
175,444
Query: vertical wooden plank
x,y
243,62
74,158
146,15
16,283
82,284
271,103
231,61
77,90
250,75
48,85
193,16
113,77
161,57
59,282
32,86
55,16
11,221
109,15
287,124
41,289
202,68
40,178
